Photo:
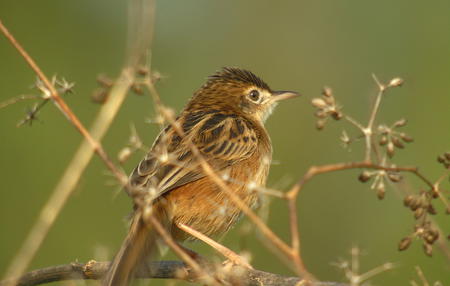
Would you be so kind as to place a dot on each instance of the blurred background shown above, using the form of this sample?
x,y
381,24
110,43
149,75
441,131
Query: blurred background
x,y
297,45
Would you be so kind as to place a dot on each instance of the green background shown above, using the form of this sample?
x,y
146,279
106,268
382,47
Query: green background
x,y
297,45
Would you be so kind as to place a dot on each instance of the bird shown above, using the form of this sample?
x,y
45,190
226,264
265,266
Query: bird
x,y
224,121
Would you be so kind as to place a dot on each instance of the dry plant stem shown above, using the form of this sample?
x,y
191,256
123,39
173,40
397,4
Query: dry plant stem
x,y
317,170
204,276
292,196
17,99
94,270
68,182
60,103
226,252
422,276
295,239
63,190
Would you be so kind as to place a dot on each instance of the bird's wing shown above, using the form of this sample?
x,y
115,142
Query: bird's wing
x,y
222,139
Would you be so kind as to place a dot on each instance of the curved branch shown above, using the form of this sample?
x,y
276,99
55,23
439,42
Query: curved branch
x,y
94,270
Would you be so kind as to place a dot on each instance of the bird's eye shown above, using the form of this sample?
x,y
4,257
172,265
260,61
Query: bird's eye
x,y
254,95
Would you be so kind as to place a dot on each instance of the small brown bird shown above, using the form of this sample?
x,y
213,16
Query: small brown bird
x,y
225,121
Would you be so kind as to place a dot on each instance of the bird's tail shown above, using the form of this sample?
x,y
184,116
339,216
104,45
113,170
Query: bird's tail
x,y
137,247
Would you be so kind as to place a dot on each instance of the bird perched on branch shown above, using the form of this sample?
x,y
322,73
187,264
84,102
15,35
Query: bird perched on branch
x,y
222,124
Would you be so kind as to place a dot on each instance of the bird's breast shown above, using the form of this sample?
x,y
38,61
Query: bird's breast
x,y
205,207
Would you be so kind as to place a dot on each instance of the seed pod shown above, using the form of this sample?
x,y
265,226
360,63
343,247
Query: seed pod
x,y
397,143
100,95
407,200
142,70
124,154
364,176
415,204
137,89
328,92
404,243
419,212
329,100
406,138
434,233
104,81
434,194
447,155
383,140
383,129
337,115
344,138
380,193
400,123
320,113
428,249
441,159
320,124
431,210
390,149
318,102
396,82
429,238
394,177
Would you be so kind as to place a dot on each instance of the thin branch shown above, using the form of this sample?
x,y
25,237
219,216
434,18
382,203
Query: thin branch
x,y
317,170
16,99
198,270
93,270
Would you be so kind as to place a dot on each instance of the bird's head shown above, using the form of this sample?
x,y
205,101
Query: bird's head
x,y
239,91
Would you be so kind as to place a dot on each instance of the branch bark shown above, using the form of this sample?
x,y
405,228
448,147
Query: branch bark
x,y
230,275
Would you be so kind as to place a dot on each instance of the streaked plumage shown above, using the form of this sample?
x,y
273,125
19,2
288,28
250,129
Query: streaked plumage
x,y
224,120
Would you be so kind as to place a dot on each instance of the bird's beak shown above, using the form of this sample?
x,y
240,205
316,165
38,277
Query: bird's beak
x,y
283,94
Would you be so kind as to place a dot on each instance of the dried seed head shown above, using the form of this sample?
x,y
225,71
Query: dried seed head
x,y
434,193
447,155
99,95
396,82
344,138
390,149
383,129
429,238
415,204
137,89
318,102
320,124
143,70
329,100
364,176
383,140
394,177
406,138
381,192
327,91
397,143
428,249
320,113
441,159
431,210
124,154
156,76
337,115
407,200
400,123
418,213
104,81
404,243
434,233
